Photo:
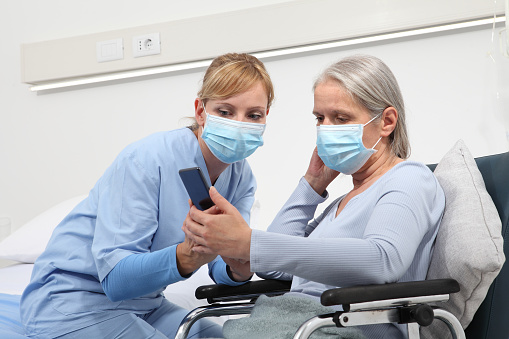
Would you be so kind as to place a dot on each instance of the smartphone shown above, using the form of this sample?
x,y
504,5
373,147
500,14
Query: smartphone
x,y
196,187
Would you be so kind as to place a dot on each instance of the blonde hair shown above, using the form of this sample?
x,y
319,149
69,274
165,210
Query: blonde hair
x,y
369,81
234,73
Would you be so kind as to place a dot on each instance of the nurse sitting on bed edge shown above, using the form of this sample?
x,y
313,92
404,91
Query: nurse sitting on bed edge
x,y
104,270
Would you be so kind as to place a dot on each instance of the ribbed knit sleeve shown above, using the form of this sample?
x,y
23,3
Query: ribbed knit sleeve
x,y
384,234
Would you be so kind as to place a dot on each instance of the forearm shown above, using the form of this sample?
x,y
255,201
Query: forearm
x,y
296,213
141,274
334,261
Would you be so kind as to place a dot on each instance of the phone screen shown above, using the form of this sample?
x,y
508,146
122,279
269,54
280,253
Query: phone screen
x,y
196,187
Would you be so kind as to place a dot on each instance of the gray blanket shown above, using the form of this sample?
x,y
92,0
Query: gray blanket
x,y
280,317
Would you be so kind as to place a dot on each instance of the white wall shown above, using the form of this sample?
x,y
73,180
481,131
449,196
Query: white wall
x,y
56,145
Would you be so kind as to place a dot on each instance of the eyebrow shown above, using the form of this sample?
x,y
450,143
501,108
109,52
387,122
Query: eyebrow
x,y
261,108
336,112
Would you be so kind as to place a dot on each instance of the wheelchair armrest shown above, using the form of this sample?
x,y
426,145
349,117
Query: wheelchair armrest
x,y
369,293
250,290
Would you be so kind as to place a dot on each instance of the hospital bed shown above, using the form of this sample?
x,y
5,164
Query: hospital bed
x,y
467,286
23,246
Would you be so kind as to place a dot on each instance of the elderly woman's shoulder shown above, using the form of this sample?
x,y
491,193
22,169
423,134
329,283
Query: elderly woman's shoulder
x,y
414,165
412,170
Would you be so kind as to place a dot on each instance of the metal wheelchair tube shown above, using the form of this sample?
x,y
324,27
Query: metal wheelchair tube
x,y
312,325
452,322
214,310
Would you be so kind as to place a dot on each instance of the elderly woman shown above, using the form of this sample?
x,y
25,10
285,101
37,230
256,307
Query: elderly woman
x,y
381,231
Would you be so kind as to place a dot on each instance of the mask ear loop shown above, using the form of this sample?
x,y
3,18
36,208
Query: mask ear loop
x,y
376,116
373,148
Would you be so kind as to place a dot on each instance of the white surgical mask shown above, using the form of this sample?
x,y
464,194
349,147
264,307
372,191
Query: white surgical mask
x,y
231,140
340,146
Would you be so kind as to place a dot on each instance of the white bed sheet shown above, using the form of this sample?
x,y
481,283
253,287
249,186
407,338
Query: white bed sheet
x,y
14,278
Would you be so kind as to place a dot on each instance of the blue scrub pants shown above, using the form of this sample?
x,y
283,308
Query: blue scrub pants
x,y
162,323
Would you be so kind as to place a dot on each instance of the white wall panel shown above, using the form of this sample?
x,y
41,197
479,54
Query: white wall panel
x,y
269,27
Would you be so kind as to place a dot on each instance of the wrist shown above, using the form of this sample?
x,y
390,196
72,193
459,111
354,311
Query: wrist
x,y
185,263
246,255
235,276
316,184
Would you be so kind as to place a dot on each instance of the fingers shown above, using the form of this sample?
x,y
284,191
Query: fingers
x,y
202,249
214,210
196,243
193,232
196,215
221,203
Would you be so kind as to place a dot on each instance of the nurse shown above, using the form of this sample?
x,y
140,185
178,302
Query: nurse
x,y
104,270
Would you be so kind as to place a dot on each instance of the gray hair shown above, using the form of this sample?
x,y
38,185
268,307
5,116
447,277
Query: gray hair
x,y
371,83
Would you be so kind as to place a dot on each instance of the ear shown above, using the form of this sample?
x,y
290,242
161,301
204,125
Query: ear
x,y
267,113
199,112
389,120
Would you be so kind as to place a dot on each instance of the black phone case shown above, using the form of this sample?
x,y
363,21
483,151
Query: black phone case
x,y
196,187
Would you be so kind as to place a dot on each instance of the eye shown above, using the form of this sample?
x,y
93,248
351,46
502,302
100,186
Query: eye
x,y
319,119
343,118
255,116
223,113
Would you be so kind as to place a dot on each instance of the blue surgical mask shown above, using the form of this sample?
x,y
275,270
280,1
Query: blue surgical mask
x,y
231,140
340,147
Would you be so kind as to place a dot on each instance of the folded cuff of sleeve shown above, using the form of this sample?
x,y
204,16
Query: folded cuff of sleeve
x,y
140,274
219,274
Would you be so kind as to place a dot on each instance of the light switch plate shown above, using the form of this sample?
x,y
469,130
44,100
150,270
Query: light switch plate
x,y
110,50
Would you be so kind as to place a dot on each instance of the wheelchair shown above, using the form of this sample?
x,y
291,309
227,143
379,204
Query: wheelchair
x,y
416,304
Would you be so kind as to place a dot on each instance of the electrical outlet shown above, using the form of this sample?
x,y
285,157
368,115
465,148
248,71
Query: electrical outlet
x,y
147,44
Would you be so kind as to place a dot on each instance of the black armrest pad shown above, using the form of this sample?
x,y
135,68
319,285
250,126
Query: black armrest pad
x,y
366,293
248,290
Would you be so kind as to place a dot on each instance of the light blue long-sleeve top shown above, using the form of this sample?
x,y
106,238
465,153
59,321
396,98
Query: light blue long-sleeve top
x,y
132,218
385,234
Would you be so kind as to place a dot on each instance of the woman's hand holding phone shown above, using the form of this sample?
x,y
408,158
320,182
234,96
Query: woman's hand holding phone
x,y
221,230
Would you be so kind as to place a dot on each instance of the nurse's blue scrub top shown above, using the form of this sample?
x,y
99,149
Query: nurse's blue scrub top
x,y
137,206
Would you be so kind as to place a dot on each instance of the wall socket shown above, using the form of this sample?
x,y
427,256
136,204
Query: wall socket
x,y
148,44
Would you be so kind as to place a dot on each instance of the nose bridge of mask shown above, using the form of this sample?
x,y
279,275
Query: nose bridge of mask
x,y
239,125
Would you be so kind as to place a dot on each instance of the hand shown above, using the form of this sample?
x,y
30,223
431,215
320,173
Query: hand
x,y
226,234
241,270
188,260
318,175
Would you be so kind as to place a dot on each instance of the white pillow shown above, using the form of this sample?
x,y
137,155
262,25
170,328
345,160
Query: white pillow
x,y
30,240
469,245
